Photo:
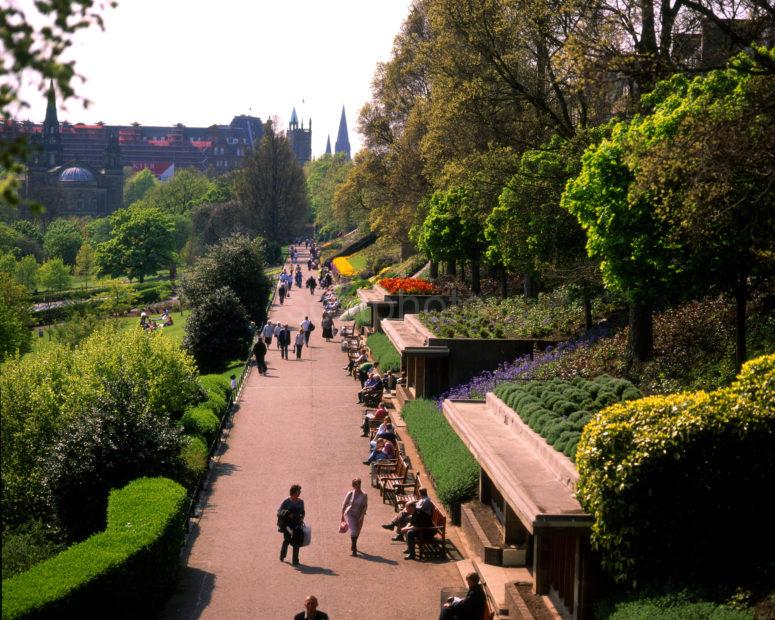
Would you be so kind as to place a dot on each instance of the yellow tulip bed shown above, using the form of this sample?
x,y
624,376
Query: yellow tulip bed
x,y
343,267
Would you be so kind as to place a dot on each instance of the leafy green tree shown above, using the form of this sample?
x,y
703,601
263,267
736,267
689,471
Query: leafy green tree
x,y
84,262
27,272
217,330
63,240
98,230
238,263
324,174
214,222
54,275
31,241
180,194
142,241
138,185
15,334
79,326
271,186
119,298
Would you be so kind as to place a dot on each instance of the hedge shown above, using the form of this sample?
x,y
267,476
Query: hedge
x,y
677,484
201,420
125,571
383,351
680,605
454,470
363,318
193,459
558,410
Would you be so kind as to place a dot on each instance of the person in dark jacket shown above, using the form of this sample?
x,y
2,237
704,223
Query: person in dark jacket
x,y
471,607
418,521
311,284
284,341
259,350
290,519
311,611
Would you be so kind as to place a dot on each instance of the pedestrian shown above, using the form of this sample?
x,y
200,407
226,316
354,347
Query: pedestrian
x,y
298,279
281,292
277,329
299,344
306,328
284,341
267,333
354,507
233,387
290,521
327,323
309,264
311,284
259,350
311,611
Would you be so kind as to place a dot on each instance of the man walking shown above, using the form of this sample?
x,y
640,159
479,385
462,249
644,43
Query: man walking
x,y
267,333
259,350
306,327
299,344
284,341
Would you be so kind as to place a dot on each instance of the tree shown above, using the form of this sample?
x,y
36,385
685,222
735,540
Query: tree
x,y
98,230
217,330
33,42
324,174
15,334
238,263
62,239
141,242
137,186
212,223
187,188
84,262
119,298
27,272
54,275
271,186
32,238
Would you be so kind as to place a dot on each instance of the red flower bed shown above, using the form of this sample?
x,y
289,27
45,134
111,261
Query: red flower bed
x,y
408,286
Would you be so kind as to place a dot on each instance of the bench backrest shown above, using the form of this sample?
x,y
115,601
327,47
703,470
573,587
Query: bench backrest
x,y
440,520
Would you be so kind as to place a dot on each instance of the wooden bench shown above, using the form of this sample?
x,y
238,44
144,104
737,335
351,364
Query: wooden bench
x,y
405,492
387,482
432,541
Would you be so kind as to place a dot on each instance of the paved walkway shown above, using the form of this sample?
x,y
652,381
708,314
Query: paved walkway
x,y
299,425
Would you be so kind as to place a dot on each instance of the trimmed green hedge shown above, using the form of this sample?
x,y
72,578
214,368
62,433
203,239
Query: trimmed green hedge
x,y
668,480
558,410
454,470
125,571
193,459
383,351
363,318
201,421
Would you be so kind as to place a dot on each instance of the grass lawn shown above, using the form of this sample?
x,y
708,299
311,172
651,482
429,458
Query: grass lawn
x,y
358,261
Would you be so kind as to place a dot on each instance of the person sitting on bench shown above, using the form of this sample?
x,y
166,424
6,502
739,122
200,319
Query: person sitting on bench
x,y
354,363
471,606
401,520
384,450
419,521
378,414
372,385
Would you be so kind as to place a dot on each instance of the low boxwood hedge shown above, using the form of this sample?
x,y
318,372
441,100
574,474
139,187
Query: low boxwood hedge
x,y
125,571
202,421
383,351
668,478
558,410
454,470
193,459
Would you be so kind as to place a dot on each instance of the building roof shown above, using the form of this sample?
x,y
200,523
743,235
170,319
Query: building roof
x,y
76,174
294,118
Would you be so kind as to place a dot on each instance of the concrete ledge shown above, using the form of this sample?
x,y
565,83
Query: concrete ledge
x,y
524,605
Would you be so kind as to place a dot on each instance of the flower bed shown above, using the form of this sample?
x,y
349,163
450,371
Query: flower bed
x,y
558,410
408,286
555,313
343,267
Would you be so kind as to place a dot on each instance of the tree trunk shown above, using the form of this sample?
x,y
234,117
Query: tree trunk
x,y
434,269
451,268
530,286
741,300
476,280
641,342
504,283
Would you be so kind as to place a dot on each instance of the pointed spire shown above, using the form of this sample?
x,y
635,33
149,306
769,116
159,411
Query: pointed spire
x,y
328,145
51,108
294,118
342,140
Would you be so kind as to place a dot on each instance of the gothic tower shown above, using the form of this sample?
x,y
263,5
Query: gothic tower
x,y
328,145
342,141
52,140
299,138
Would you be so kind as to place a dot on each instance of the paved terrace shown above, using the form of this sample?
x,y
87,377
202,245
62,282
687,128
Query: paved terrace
x,y
298,425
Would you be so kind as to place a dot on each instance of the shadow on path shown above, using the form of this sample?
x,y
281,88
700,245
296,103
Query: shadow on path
x,y
315,570
203,583
376,558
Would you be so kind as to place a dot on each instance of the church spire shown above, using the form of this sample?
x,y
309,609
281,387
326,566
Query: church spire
x,y
342,141
328,145
52,140
51,108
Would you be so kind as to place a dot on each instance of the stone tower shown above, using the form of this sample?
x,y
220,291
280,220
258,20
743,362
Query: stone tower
x,y
53,154
300,139
342,140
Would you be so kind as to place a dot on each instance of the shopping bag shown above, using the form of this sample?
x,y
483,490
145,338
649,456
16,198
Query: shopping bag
x,y
343,527
307,535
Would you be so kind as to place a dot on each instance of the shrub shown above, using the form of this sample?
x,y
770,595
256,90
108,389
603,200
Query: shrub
x,y
154,294
454,470
363,318
217,385
25,546
670,606
709,453
193,459
15,309
124,571
201,421
384,352
106,447
217,330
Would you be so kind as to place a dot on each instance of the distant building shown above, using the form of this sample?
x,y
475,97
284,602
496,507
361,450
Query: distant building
x,y
342,139
299,138
328,145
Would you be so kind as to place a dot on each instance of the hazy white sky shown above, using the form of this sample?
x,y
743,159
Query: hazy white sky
x,y
199,62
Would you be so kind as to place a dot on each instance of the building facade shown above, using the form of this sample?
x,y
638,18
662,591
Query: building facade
x,y
299,138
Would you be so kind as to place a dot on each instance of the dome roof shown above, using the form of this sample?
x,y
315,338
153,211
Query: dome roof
x,y
76,174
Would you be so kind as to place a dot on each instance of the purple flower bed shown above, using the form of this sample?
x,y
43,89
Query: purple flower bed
x,y
521,369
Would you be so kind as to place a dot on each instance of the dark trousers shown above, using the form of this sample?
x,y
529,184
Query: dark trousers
x,y
282,297
306,338
284,548
261,364
284,351
298,351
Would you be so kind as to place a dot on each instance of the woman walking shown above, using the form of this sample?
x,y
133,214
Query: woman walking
x,y
299,343
353,511
290,521
327,323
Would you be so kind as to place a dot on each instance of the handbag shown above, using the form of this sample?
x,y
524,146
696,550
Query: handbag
x,y
343,527
307,535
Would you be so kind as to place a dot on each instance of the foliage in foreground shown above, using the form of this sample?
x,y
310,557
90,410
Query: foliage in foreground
x,y
455,472
125,570
709,453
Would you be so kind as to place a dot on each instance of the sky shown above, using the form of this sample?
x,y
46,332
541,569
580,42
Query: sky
x,y
199,62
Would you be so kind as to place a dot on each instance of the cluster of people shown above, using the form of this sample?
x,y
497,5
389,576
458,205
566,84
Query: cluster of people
x,y
287,280
282,334
148,324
